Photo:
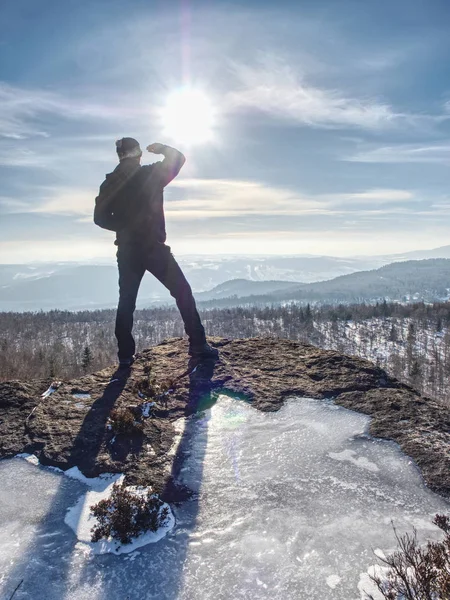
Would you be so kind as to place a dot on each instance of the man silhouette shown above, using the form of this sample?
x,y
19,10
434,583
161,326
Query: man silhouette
x,y
130,202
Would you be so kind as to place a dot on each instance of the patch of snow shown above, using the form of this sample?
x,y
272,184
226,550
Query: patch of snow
x,y
150,450
80,519
350,456
346,485
179,426
333,581
54,386
31,458
100,483
367,588
420,523
379,553
82,396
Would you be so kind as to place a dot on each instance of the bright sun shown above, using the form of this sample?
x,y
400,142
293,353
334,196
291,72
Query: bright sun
x,y
188,117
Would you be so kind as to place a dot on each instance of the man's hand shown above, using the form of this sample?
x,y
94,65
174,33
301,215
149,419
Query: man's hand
x,y
156,148
171,165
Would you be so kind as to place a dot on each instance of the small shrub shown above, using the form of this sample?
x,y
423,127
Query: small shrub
x,y
124,421
126,514
151,388
415,572
166,386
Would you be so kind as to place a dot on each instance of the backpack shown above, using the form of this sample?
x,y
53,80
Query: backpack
x,y
111,203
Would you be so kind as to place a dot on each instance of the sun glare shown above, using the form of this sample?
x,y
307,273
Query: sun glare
x,y
188,117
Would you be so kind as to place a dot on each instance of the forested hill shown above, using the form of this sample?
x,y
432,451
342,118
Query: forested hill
x,y
425,280
90,287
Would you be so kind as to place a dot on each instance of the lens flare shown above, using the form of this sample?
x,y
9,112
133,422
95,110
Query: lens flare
x,y
188,117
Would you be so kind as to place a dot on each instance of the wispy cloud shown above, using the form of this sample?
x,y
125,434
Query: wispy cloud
x,y
21,110
276,88
66,201
374,196
190,199
12,205
404,153
57,153
215,198
224,198
13,156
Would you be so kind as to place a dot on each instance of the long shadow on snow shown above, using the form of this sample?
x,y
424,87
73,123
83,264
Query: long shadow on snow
x,y
156,571
44,567
51,568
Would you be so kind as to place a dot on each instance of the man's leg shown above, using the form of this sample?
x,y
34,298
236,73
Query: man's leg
x,y
161,263
131,271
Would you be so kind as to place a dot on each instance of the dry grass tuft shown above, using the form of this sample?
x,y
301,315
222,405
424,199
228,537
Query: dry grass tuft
x,y
153,389
123,420
417,573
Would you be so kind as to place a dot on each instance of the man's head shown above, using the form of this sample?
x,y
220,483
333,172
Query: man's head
x,y
128,148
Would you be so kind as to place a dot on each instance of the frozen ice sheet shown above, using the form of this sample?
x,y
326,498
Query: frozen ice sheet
x,y
289,505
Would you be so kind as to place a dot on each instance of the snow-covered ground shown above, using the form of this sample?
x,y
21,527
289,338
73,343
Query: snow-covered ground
x,y
290,505
406,348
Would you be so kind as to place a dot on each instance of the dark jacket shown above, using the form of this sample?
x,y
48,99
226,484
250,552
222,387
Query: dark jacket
x,y
130,201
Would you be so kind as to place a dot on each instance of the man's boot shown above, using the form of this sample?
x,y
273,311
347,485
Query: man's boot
x,y
203,350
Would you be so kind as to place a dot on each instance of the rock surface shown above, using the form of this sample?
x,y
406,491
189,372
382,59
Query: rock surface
x,y
72,426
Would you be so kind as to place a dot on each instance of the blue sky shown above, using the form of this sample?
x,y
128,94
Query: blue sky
x,y
332,129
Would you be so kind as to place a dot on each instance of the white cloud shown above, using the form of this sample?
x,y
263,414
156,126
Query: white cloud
x,y
23,157
374,196
215,198
61,248
219,198
56,154
404,153
12,205
277,89
21,109
225,198
191,199
62,201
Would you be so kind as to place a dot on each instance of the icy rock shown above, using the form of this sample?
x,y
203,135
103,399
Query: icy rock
x,y
272,517
146,409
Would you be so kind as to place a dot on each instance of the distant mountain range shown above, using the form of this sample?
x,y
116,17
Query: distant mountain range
x,y
72,286
414,280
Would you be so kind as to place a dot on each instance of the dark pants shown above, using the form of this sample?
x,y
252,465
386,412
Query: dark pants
x,y
133,261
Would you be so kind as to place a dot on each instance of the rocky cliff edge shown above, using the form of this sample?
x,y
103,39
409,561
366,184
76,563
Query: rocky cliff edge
x,y
128,421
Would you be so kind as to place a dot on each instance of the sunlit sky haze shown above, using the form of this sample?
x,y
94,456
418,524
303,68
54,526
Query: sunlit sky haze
x,y
309,127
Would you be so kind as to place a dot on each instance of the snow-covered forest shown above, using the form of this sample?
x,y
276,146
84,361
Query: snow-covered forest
x,y
412,342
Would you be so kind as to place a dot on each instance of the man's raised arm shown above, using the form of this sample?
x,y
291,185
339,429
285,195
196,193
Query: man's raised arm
x,y
169,168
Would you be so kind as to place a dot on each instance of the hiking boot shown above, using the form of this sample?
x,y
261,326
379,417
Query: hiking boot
x,y
125,363
203,351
